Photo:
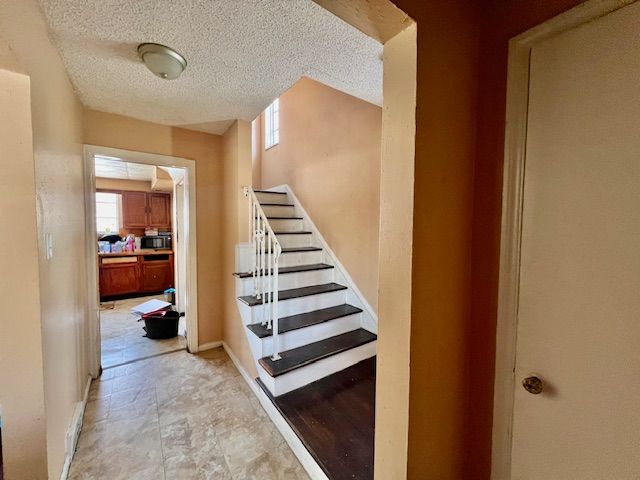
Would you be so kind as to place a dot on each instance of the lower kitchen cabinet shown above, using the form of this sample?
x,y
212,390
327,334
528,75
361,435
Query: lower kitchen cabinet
x,y
157,274
119,278
135,274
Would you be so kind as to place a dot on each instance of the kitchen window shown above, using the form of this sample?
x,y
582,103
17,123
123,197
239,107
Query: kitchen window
x,y
272,124
108,212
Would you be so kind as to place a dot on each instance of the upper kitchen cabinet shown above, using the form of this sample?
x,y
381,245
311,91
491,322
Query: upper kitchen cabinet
x,y
134,210
146,210
159,210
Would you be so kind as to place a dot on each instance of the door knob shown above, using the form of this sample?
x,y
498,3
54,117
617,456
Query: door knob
x,y
533,385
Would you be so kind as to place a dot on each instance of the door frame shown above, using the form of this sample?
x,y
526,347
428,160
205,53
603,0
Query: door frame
x,y
511,228
91,246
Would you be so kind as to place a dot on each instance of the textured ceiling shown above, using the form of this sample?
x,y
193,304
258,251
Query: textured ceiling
x,y
113,168
241,54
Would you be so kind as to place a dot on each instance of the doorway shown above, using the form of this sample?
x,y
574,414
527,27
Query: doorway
x,y
136,227
565,404
139,232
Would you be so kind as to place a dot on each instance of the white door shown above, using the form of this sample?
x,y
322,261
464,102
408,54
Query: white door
x,y
578,320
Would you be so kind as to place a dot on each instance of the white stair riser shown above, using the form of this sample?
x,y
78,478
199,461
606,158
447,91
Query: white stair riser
x,y
279,211
287,225
304,336
315,371
287,241
299,305
300,258
294,259
272,198
244,286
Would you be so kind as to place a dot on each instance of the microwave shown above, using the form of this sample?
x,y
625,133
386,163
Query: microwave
x,y
158,242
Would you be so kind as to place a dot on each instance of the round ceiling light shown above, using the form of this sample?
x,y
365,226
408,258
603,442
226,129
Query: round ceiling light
x,y
161,60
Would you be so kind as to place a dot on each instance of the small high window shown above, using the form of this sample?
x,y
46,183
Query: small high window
x,y
272,124
108,212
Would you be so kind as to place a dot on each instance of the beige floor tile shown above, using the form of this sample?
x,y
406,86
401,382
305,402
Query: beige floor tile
x,y
179,417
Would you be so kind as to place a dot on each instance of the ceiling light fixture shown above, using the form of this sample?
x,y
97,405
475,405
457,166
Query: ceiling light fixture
x,y
161,60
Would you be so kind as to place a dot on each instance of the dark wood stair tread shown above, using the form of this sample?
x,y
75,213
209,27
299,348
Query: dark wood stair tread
x,y
252,300
302,320
307,354
294,233
301,249
267,191
284,218
295,269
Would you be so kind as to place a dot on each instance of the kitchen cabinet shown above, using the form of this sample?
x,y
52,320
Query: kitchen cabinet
x,y
157,274
135,273
119,276
146,210
159,209
134,209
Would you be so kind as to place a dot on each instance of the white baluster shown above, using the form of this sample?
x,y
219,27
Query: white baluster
x,y
263,284
269,278
259,257
276,342
252,232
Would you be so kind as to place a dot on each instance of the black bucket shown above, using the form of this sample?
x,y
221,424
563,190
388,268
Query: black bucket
x,y
163,324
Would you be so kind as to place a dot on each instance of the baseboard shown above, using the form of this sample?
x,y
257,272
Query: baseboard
x,y
209,346
298,449
74,431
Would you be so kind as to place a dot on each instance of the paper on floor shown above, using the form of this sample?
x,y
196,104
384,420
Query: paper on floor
x,y
150,306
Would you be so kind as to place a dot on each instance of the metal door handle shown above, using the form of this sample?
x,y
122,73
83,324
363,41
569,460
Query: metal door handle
x,y
533,385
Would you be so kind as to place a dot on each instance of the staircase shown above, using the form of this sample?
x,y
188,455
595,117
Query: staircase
x,y
295,285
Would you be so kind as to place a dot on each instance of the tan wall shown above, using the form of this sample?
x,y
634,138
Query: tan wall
x,y
21,375
443,207
120,184
396,227
329,153
237,174
117,131
57,141
256,153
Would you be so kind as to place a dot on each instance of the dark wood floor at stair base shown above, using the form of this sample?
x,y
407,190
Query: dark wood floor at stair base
x,y
335,419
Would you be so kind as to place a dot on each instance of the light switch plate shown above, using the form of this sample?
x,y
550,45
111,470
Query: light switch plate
x,y
48,242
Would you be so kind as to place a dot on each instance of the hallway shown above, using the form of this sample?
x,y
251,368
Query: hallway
x,y
179,416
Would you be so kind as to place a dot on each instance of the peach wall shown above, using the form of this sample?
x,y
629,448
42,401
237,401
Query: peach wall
x,y
57,146
443,209
117,131
256,153
396,227
237,174
329,154
21,375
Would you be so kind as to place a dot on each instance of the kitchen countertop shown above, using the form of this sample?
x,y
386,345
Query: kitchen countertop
x,y
149,251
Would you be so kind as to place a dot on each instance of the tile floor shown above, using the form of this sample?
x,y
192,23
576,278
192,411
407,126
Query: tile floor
x,y
179,416
123,339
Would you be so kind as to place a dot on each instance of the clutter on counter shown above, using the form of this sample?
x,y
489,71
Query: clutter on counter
x,y
128,244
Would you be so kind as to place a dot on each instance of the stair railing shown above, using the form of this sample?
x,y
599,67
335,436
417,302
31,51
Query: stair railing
x,y
266,252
